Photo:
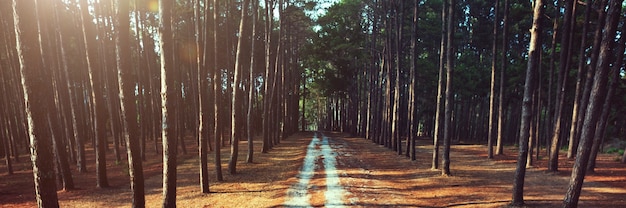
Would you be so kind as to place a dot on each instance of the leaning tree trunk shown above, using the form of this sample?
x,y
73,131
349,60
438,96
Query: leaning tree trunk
x,y
237,101
594,107
534,51
36,84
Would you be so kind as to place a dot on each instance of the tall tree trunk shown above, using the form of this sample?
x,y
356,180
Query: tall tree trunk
x,y
591,70
396,140
412,130
440,88
553,162
505,60
449,104
492,89
237,102
217,92
251,88
594,107
576,112
534,50
99,109
168,102
128,107
268,40
202,119
36,85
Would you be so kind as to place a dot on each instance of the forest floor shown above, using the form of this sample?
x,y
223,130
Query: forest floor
x,y
364,175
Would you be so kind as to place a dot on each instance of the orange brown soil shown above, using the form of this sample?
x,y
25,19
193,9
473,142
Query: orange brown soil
x,y
371,175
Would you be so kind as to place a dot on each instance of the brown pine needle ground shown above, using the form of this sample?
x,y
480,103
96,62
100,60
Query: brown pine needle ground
x,y
371,175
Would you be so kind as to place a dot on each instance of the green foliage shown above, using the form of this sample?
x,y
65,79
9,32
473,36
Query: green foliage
x,y
614,150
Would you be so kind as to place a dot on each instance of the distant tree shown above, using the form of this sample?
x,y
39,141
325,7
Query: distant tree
x,y
534,53
37,85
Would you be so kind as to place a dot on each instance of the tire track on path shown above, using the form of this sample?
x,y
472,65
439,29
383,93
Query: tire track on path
x,y
298,194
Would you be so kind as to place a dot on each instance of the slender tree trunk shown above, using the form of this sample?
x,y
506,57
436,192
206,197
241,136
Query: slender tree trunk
x,y
591,70
505,60
217,92
99,109
168,101
202,119
36,85
550,108
576,112
266,80
534,51
413,86
128,107
237,102
440,88
251,86
449,104
594,108
492,91
553,161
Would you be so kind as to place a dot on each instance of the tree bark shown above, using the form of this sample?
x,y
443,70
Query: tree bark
x,y
534,51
